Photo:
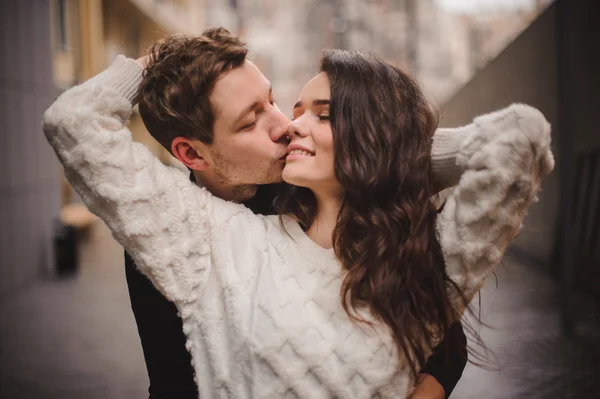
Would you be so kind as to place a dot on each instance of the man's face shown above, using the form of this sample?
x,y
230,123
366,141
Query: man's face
x,y
250,132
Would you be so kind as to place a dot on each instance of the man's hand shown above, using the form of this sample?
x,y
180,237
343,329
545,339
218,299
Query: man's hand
x,y
428,388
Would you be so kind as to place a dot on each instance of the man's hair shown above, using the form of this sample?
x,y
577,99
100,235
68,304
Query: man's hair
x,y
180,76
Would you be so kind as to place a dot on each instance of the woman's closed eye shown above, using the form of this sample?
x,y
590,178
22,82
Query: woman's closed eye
x,y
323,116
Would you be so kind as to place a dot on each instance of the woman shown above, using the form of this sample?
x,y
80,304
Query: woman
x,y
344,295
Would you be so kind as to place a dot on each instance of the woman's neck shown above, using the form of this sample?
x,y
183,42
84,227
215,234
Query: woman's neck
x,y
321,231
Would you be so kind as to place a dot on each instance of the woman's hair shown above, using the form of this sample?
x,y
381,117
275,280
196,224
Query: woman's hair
x,y
385,233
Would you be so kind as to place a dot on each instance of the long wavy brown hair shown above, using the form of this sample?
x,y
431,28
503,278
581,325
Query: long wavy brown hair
x,y
385,235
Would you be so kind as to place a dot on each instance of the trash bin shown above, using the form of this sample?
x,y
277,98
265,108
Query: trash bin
x,y
65,249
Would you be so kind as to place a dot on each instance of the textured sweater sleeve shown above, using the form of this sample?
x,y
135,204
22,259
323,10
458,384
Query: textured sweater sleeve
x,y
153,210
444,152
499,162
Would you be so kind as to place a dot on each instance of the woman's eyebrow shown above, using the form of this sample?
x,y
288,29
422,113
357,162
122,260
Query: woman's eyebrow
x,y
314,103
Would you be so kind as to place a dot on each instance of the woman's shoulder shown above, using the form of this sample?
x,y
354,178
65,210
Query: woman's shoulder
x,y
279,230
278,224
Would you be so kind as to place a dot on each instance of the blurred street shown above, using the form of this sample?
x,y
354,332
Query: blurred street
x,y
76,338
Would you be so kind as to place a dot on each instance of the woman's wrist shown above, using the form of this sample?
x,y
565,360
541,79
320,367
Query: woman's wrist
x,y
446,146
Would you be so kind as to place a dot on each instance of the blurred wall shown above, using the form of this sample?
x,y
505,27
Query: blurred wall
x,y
97,31
129,32
579,85
552,66
526,71
30,195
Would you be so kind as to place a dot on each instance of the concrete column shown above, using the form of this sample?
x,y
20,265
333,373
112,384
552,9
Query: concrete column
x,y
29,172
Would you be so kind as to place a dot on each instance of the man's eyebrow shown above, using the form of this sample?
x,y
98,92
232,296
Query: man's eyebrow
x,y
314,103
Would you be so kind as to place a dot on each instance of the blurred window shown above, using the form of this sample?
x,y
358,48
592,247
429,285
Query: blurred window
x,y
61,15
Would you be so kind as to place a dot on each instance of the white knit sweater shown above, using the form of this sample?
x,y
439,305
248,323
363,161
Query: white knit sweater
x,y
261,309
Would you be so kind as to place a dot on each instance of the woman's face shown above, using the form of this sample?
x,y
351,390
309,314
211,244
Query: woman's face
x,y
309,162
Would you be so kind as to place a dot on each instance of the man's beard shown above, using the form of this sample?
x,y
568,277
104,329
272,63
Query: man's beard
x,y
231,176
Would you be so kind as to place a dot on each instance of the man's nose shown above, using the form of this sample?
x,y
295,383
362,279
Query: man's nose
x,y
280,134
280,131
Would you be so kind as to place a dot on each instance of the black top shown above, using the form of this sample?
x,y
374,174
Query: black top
x,y
163,342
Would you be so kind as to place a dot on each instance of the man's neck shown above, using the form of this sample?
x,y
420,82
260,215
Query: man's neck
x,y
228,192
321,231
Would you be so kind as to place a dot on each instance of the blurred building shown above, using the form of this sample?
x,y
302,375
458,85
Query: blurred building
x,y
441,48
89,34
29,174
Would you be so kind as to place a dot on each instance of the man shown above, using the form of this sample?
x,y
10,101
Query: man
x,y
215,112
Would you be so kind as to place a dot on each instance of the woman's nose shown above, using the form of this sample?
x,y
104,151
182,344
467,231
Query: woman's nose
x,y
297,128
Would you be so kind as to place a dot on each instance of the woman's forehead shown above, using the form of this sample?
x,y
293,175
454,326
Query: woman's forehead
x,y
317,87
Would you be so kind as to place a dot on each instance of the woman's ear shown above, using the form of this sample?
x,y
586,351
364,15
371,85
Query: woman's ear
x,y
192,153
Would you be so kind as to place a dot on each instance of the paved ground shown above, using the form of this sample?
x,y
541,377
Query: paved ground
x,y
533,359
76,338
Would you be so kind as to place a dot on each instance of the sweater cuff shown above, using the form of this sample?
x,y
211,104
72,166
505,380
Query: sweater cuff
x,y
446,146
123,76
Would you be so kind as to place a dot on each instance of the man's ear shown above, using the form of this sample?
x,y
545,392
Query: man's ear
x,y
192,153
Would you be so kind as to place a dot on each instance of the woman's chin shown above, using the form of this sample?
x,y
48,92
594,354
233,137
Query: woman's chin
x,y
287,175
291,180
290,177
